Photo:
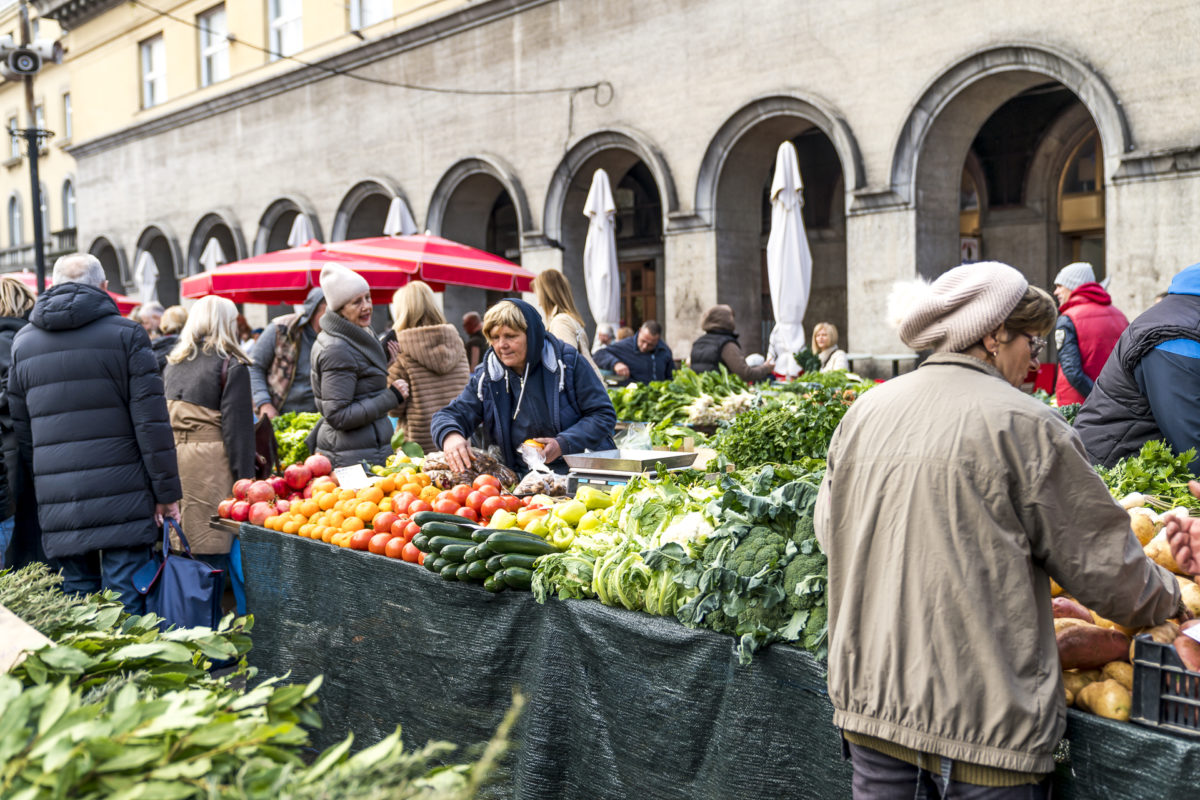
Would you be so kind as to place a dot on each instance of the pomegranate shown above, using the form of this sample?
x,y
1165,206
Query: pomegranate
x,y
260,511
240,488
239,511
224,506
297,476
307,493
283,505
279,485
260,492
318,465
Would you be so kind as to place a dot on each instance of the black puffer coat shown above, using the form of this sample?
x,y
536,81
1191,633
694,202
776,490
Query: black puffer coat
x,y
87,403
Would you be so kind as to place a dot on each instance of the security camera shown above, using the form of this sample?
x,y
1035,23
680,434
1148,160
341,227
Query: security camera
x,y
50,51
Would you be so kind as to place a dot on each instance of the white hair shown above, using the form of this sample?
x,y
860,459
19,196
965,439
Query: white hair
x,y
211,328
153,307
79,268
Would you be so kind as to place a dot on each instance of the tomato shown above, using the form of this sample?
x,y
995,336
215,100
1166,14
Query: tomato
x,y
445,505
394,547
445,494
403,500
416,506
466,512
491,506
383,521
489,491
360,540
525,501
378,543
486,480
460,493
398,526
511,502
475,500
421,558
411,530
410,553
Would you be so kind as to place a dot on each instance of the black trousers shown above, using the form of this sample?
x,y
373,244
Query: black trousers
x,y
881,777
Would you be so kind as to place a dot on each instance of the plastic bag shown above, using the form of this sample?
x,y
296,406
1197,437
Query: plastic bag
x,y
550,484
635,437
442,476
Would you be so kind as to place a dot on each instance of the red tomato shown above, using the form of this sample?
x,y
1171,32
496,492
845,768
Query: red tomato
x,y
475,500
445,505
491,506
403,500
466,512
395,547
383,521
525,501
421,557
486,480
410,531
378,543
511,502
410,553
489,491
460,493
399,525
418,505
361,539
445,494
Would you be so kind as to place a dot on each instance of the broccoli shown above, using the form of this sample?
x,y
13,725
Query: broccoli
x,y
761,548
805,530
816,631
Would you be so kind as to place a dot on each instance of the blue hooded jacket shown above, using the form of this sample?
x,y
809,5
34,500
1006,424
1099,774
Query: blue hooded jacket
x,y
557,382
657,365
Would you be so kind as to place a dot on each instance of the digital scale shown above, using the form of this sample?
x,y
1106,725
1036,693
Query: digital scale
x,y
605,469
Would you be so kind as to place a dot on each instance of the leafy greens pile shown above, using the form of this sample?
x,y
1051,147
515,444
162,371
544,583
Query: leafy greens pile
x,y
787,432
1155,472
291,431
668,401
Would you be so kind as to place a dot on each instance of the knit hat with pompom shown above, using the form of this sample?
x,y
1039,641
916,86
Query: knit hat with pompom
x,y
956,310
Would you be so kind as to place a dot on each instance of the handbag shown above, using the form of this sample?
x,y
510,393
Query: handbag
x,y
266,449
180,588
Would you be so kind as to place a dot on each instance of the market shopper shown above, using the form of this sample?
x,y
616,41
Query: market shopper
x,y
19,544
640,359
172,322
429,356
825,347
207,384
530,386
349,375
87,403
949,500
719,345
150,316
476,343
1086,332
1150,385
604,336
280,360
563,320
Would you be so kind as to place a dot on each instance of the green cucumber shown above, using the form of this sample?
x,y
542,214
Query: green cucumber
x,y
493,583
479,535
478,571
518,560
431,560
421,542
522,543
423,517
494,563
438,562
450,572
462,573
454,552
483,552
437,543
438,528
516,577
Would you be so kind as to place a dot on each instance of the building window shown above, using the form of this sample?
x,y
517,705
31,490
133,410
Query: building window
x,y
364,13
44,201
154,72
287,28
68,204
214,46
14,143
68,122
14,220
39,117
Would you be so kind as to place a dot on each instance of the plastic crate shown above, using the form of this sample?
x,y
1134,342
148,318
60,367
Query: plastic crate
x,y
1166,695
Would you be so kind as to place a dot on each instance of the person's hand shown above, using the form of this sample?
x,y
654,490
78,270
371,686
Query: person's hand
x,y
393,348
269,411
1183,535
550,448
621,369
457,451
163,511
401,386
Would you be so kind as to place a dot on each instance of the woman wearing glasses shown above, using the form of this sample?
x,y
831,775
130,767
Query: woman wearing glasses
x,y
349,375
950,499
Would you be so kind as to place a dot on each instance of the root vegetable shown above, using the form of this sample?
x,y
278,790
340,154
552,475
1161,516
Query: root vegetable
x,y
1070,697
1066,608
1163,634
1086,646
1159,552
1133,500
1190,593
1119,671
1116,626
1187,647
1142,525
1075,681
1055,589
1062,623
1106,698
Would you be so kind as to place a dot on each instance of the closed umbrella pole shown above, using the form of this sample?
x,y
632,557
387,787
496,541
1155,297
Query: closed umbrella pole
x,y
145,274
600,275
400,220
301,232
789,261
213,255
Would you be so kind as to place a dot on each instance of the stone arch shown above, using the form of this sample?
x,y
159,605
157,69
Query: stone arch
x,y
821,114
592,145
365,192
223,225
276,222
112,258
462,171
160,241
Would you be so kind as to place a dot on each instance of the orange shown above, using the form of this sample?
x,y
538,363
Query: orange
x,y
408,472
336,518
271,522
423,479
429,493
352,524
412,487
291,526
366,511
306,530
327,500
388,484
385,504
370,494
327,534
346,494
308,508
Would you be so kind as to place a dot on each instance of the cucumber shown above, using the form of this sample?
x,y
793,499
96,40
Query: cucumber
x,y
493,583
450,572
438,562
421,542
515,577
438,528
422,517
454,552
462,573
494,563
517,560
478,571
483,552
437,543
522,543
479,535
431,560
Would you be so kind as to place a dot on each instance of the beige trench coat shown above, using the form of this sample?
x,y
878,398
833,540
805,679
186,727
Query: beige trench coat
x,y
203,471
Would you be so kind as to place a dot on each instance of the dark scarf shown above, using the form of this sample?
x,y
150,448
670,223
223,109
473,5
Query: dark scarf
x,y
361,338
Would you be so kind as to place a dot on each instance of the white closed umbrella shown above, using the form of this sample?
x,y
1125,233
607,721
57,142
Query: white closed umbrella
x,y
212,256
600,276
400,220
789,261
302,231
145,275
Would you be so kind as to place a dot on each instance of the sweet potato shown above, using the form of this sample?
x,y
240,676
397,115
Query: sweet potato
x,y
1090,646
1190,593
1163,634
1066,608
1187,647
1119,671
1108,623
1074,681
1070,697
1142,524
1055,589
1158,551
1106,698
1062,623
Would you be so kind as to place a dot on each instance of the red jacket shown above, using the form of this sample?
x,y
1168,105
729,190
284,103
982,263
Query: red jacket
x,y
1098,324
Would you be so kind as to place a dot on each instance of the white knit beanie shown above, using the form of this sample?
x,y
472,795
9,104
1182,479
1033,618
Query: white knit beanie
x,y
956,310
341,285
1075,275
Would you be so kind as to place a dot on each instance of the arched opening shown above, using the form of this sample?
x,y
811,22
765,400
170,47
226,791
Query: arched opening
x,y
112,258
363,211
15,223
163,248
220,227
275,225
68,204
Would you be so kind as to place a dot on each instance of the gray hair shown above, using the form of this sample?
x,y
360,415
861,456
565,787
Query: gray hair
x,y
153,307
79,268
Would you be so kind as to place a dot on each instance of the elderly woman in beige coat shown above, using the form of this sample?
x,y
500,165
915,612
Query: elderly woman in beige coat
x,y
949,501
429,355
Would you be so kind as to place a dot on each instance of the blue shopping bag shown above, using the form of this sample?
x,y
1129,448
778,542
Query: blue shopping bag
x,y
180,588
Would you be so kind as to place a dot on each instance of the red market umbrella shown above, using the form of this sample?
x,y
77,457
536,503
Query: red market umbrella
x,y
439,261
124,304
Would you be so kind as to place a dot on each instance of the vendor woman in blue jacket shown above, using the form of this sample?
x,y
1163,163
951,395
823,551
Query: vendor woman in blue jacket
x,y
530,385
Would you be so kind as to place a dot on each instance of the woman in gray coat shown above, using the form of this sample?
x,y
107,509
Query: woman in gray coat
x,y
349,375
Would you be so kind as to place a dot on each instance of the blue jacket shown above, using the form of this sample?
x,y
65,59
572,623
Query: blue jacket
x,y
657,365
581,416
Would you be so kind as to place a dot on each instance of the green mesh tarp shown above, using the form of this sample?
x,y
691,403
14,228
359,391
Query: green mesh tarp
x,y
620,704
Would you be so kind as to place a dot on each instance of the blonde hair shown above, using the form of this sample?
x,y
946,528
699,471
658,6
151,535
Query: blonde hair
x,y
173,320
211,329
415,307
503,314
830,329
15,297
554,294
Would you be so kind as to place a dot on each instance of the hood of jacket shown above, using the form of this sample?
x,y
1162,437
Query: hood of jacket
x,y
68,306
1087,293
718,318
12,324
437,348
1186,282
314,299
537,341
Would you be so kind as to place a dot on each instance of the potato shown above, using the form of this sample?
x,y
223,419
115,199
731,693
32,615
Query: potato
x,y
1142,524
1158,551
1055,589
1069,697
1074,681
1190,593
1086,646
1106,699
1062,623
1163,634
1119,671
1187,647
1066,608
1108,623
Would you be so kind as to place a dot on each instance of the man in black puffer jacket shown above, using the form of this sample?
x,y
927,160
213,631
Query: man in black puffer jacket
x,y
88,407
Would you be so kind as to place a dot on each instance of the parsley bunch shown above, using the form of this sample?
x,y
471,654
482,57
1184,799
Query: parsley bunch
x,y
1155,472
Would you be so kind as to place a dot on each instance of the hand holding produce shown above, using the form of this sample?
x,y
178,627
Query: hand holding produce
x,y
1183,537
457,451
